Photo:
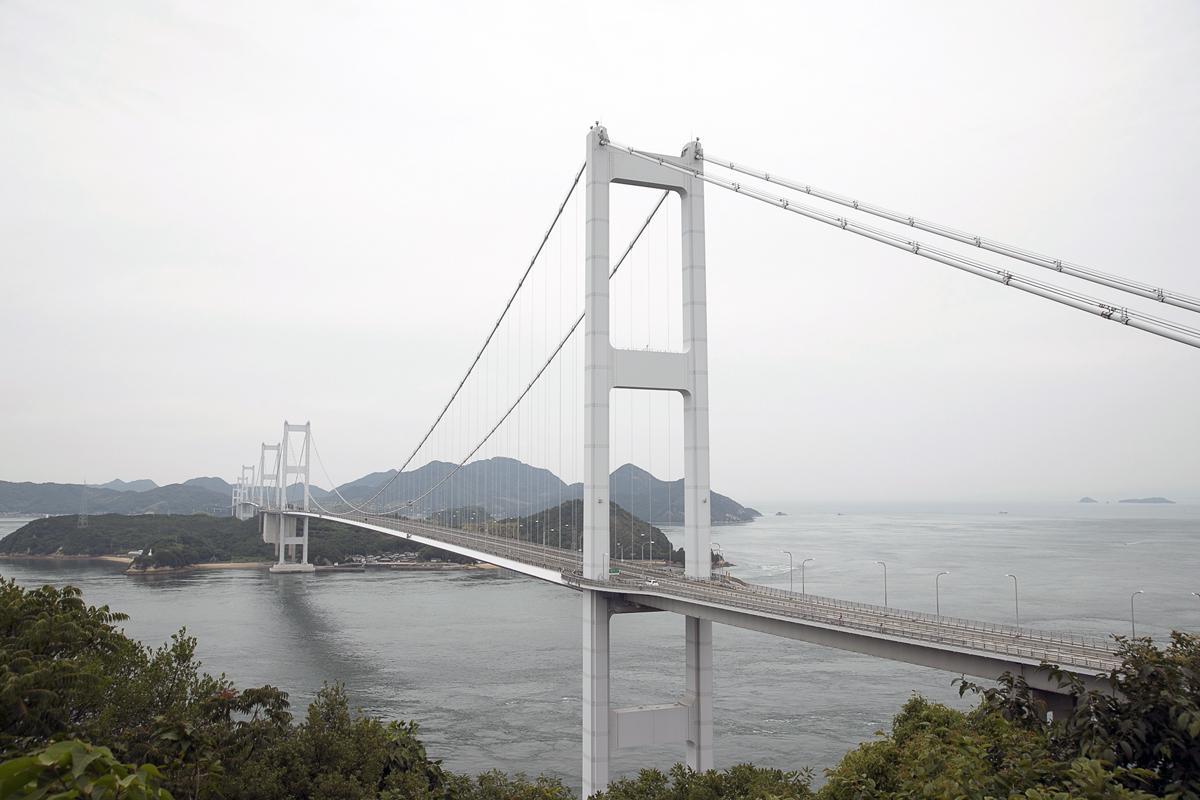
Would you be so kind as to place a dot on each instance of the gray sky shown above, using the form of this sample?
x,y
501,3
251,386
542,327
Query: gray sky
x,y
215,216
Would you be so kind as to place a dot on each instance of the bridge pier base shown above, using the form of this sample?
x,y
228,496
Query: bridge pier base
x,y
1058,705
291,545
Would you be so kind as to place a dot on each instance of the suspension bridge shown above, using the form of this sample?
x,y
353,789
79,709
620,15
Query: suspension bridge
x,y
587,330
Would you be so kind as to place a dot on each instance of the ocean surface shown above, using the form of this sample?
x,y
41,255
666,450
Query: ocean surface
x,y
489,663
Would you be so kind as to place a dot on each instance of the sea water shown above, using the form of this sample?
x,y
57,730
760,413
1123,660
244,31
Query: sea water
x,y
489,662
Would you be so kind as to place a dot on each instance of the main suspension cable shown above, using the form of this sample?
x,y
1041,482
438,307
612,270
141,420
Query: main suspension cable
x,y
1135,319
486,342
1058,265
562,343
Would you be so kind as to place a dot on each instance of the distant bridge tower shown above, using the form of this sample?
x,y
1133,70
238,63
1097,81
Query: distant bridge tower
x,y
243,501
266,480
289,535
82,522
606,730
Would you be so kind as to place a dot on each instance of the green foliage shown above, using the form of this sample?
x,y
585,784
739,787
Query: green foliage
x,y
496,785
332,542
741,782
177,541
1150,720
74,769
937,752
68,673
69,676
56,663
174,539
563,525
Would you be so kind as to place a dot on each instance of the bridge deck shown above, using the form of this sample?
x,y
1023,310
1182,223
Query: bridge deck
x,y
959,645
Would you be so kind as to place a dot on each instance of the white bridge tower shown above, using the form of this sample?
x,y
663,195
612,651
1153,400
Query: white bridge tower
x,y
287,533
605,729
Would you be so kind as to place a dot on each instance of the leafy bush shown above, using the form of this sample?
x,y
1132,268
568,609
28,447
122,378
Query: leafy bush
x,y
76,769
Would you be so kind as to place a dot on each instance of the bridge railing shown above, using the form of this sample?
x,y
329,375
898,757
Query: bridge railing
x,y
1000,628
868,619
1069,640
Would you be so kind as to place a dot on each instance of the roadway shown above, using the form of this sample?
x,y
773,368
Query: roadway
x,y
957,645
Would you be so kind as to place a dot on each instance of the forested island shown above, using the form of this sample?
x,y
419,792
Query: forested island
x,y
153,541
87,712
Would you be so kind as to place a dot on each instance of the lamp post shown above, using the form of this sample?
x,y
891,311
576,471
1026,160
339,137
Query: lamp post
x,y
790,568
937,592
1016,599
882,564
1132,620
802,563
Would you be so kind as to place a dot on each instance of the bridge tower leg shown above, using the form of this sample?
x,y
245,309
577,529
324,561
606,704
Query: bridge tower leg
x,y
607,368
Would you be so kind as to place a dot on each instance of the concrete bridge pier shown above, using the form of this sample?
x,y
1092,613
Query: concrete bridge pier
x,y
1059,706
597,618
698,695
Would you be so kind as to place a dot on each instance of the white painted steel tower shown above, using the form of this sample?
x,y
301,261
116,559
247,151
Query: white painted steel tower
x,y
288,534
605,729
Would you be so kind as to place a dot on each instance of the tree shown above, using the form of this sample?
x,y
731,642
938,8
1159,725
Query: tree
x,y
72,769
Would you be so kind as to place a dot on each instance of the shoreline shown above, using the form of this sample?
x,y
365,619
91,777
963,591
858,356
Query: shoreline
x,y
63,557
127,561
192,567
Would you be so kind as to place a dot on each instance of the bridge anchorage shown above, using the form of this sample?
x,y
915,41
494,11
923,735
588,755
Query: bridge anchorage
x,y
955,645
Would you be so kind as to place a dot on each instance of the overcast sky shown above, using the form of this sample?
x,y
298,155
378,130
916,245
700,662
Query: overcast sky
x,y
217,215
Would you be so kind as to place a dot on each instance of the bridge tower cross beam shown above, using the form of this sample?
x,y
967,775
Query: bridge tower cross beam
x,y
605,729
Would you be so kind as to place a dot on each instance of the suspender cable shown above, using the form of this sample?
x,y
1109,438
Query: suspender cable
x,y
561,344
486,342
1028,256
1134,319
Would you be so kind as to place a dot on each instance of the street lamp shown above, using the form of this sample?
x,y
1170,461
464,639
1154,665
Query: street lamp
x,y
1132,621
880,563
937,592
790,568
1016,600
802,563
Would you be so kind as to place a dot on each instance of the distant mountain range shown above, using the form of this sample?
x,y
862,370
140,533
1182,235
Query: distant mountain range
x,y
501,487
505,487
141,485
71,498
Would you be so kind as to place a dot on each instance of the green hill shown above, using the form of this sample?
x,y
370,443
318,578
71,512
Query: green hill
x,y
180,540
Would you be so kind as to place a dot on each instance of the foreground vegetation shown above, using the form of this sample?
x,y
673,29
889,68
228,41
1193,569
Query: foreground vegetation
x,y
87,712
